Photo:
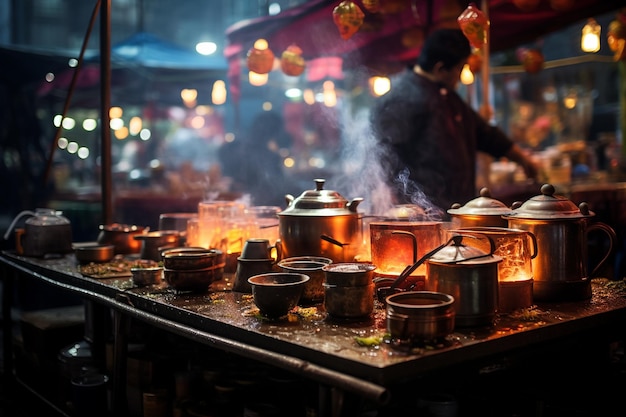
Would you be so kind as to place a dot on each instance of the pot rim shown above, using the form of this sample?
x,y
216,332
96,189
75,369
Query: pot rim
x,y
444,299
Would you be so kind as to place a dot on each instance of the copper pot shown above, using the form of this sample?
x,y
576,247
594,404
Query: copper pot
x,y
122,236
417,316
320,223
561,229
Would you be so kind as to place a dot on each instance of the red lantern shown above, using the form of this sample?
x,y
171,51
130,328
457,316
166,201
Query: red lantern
x,y
533,61
372,6
526,5
291,61
260,57
474,25
475,62
393,6
561,5
348,18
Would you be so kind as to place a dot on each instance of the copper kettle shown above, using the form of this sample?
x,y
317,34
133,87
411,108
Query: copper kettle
x,y
561,229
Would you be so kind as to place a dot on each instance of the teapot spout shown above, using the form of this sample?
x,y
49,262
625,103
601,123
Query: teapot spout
x,y
15,220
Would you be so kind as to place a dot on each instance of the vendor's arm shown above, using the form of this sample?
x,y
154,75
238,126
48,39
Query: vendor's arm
x,y
516,154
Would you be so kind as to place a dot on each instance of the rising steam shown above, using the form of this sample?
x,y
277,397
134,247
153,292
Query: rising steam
x,y
363,175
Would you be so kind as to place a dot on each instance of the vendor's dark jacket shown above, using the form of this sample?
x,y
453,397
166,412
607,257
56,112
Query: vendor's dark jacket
x,y
431,131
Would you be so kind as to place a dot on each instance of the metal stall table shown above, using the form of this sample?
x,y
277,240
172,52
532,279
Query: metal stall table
x,y
311,344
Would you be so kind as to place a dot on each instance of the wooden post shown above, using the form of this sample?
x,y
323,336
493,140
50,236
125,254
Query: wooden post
x,y
105,105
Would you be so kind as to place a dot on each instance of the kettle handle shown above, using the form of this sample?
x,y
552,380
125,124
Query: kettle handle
x,y
533,239
19,216
612,239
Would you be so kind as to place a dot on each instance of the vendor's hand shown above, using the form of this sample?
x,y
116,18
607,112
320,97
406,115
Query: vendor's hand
x,y
530,167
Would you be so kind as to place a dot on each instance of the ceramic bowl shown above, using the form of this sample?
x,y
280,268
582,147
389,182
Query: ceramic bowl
x,y
275,294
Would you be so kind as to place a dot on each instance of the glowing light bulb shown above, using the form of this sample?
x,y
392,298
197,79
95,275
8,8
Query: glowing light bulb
x,y
590,40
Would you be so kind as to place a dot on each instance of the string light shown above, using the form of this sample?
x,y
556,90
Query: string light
x,y
467,76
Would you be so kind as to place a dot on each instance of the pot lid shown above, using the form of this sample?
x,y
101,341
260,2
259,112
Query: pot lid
x,y
548,206
47,217
319,201
459,253
484,205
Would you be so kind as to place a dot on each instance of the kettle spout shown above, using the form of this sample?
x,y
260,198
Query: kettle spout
x,y
352,205
289,199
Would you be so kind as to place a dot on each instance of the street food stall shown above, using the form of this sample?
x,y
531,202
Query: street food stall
x,y
323,308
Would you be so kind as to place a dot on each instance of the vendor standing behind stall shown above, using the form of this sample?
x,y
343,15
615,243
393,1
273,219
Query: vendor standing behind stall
x,y
429,136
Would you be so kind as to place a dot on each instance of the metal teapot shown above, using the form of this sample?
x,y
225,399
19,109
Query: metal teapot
x,y
561,229
47,231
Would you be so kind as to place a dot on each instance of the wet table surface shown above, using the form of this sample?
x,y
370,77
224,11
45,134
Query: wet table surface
x,y
311,336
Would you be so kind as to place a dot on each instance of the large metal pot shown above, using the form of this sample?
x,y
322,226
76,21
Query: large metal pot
x,y
483,211
561,229
320,223
470,276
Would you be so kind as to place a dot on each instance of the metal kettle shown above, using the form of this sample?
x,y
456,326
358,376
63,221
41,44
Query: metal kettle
x,y
47,231
561,229
320,223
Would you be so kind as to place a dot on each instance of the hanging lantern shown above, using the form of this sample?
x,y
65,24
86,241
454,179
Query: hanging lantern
x,y
260,57
291,61
474,25
475,62
532,61
616,38
348,18
372,6
561,5
526,5
393,6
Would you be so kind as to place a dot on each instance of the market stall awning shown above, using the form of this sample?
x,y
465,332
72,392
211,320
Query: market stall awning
x,y
388,41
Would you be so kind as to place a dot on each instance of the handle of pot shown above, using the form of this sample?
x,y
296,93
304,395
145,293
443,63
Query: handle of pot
x,y
533,239
19,216
414,241
612,239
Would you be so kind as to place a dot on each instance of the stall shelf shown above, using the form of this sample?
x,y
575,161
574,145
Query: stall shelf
x,y
314,346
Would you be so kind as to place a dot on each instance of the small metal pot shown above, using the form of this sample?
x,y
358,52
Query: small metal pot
x,y
320,223
471,277
122,237
153,243
420,315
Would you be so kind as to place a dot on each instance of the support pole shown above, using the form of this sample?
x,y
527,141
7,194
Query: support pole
x,y
105,105
486,110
